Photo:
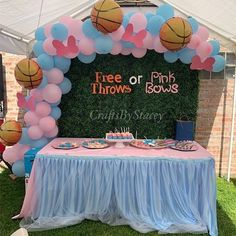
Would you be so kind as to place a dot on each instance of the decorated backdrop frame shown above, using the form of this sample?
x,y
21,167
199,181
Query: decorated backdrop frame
x,y
56,44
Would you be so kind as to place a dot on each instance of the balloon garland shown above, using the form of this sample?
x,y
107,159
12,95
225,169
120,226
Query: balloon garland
x,y
133,33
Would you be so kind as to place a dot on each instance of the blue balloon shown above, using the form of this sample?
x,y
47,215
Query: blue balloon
x,y
154,25
219,63
193,23
126,18
45,61
27,98
89,30
126,44
186,55
103,44
18,168
215,47
39,143
55,104
166,11
38,48
65,86
39,34
62,63
56,112
25,139
149,15
43,83
87,58
171,57
59,31
125,21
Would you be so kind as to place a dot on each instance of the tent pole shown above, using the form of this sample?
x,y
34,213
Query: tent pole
x,y
232,130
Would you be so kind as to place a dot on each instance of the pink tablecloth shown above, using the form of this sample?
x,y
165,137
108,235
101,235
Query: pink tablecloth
x,y
128,151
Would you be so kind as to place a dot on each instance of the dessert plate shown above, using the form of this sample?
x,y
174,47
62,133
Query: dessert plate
x,y
149,144
185,146
95,144
65,145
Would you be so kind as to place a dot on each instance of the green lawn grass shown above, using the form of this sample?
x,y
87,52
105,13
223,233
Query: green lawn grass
x,y
12,193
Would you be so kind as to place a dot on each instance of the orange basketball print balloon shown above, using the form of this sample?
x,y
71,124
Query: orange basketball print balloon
x,y
106,16
28,73
10,132
175,33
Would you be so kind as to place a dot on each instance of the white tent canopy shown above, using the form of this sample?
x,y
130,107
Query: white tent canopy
x,y
19,19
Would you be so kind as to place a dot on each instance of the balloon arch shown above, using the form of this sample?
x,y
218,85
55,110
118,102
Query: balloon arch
x,y
56,44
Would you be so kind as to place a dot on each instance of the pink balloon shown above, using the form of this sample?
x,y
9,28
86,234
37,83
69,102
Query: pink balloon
x,y
194,42
43,109
48,47
31,118
126,51
66,20
148,41
158,47
75,28
15,153
10,155
54,76
86,46
47,30
52,93
35,132
117,47
204,50
47,124
51,134
117,35
139,52
203,33
37,93
139,21
71,55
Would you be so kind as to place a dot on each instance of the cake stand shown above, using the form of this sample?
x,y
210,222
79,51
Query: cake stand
x,y
119,143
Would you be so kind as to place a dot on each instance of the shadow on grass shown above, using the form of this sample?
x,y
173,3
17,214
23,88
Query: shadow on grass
x,y
226,227
11,198
234,182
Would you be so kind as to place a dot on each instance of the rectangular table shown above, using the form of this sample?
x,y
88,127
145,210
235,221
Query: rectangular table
x,y
164,190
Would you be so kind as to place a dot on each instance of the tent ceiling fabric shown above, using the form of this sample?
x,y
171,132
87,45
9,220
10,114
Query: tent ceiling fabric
x,y
217,15
21,18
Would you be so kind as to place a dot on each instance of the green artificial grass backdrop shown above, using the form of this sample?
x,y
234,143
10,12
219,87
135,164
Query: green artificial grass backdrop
x,y
150,114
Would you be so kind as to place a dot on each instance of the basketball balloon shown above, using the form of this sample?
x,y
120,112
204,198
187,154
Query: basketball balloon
x,y
106,16
10,132
28,73
175,33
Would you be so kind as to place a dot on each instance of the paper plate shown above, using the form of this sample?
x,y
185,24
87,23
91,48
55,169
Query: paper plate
x,y
194,148
139,143
185,146
95,144
57,146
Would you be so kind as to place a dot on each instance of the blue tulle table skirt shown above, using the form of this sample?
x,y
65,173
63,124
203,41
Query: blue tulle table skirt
x,y
164,194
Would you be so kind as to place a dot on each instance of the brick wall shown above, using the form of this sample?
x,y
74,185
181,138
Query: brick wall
x,y
213,121
12,87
